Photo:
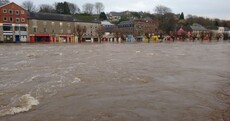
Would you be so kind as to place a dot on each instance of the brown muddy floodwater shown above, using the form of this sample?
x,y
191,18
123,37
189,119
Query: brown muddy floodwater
x,y
115,82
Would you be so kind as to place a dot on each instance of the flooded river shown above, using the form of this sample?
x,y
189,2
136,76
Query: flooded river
x,y
115,82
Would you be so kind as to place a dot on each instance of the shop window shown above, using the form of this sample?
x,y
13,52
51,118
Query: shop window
x,y
4,11
11,12
16,28
17,12
7,28
22,28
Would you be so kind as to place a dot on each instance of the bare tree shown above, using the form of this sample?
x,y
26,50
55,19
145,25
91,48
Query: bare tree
x,y
118,33
29,6
100,32
160,9
73,8
88,8
80,31
99,7
3,2
46,8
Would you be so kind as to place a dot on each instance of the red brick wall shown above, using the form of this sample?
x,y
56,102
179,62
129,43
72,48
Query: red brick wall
x,y
14,7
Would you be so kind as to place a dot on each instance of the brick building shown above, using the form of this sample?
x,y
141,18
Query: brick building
x,y
138,27
13,23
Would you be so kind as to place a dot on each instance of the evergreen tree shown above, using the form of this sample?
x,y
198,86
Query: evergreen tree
x,y
62,8
182,16
102,16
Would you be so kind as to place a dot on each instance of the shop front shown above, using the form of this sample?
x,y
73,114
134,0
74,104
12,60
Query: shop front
x,y
40,38
65,39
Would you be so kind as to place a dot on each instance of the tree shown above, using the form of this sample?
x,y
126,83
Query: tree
x,y
73,8
45,8
62,8
3,2
167,22
181,16
29,6
99,7
88,8
160,9
102,16
100,32
117,33
79,31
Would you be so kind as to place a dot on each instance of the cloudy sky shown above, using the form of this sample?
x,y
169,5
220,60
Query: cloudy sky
x,y
206,8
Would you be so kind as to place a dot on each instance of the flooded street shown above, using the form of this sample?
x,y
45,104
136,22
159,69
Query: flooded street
x,y
115,82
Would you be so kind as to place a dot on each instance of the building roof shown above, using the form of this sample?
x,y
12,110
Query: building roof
x,y
105,22
11,3
198,27
116,13
50,16
125,23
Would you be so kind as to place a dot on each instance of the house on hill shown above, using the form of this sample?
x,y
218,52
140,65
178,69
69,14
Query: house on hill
x,y
198,28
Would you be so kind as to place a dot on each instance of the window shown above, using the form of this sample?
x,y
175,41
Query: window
x,y
10,12
34,22
16,28
4,11
22,20
4,19
22,12
45,30
7,28
44,23
17,12
17,20
61,30
22,28
53,31
11,19
35,29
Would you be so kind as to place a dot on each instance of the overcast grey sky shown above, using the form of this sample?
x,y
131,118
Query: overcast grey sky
x,y
206,8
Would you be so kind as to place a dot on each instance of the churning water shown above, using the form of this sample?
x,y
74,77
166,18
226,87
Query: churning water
x,y
115,82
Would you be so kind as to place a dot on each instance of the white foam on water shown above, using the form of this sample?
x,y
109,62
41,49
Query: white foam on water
x,y
76,80
23,104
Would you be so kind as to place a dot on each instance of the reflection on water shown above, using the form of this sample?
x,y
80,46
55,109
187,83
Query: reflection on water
x,y
101,82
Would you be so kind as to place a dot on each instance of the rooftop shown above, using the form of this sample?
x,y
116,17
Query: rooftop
x,y
50,16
